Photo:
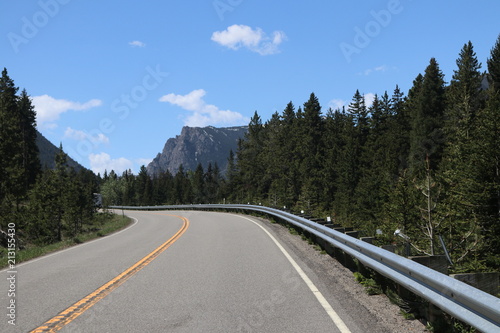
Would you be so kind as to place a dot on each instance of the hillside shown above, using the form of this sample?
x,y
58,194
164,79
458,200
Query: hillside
x,y
197,145
48,152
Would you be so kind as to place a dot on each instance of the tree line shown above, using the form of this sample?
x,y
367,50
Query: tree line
x,y
45,205
185,187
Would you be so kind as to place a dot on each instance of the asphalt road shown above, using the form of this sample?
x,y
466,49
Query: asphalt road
x,y
221,273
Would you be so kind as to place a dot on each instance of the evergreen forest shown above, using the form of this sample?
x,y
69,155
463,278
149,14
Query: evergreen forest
x,y
41,205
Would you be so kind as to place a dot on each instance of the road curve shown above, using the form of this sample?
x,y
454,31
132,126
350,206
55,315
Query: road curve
x,y
222,273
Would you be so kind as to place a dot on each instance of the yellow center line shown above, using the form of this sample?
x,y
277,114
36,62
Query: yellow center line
x,y
65,317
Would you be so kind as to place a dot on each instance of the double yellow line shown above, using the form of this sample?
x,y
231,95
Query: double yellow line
x,y
75,310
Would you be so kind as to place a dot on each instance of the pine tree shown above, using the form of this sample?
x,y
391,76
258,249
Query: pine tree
x,y
427,102
282,146
19,163
289,182
48,204
347,169
464,95
231,176
270,156
357,108
144,187
375,165
213,183
74,202
250,164
491,128
465,186
353,136
494,66
10,172
198,184
43,224
333,144
183,191
312,152
61,184
163,188
29,149
400,128
487,164
128,188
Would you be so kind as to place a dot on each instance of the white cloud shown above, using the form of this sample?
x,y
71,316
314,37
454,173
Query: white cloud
x,y
48,109
335,104
256,40
382,68
369,71
137,43
83,135
369,99
143,161
102,162
191,102
203,114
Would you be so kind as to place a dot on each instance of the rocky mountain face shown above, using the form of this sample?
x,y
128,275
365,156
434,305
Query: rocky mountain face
x,y
48,152
197,145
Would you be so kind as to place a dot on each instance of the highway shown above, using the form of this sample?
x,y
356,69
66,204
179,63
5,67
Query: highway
x,y
184,272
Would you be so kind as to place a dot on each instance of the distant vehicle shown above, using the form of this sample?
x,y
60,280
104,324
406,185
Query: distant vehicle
x,y
98,200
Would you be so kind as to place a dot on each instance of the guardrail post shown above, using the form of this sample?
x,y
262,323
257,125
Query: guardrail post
x,y
369,240
389,247
487,282
437,263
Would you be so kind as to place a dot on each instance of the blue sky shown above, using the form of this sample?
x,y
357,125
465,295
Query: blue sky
x,y
113,80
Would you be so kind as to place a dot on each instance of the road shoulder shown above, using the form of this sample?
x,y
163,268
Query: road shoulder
x,y
339,286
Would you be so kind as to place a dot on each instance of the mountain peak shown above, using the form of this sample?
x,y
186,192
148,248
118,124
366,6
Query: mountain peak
x,y
197,145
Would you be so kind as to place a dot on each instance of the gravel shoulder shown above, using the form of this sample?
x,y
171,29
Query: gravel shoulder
x,y
373,313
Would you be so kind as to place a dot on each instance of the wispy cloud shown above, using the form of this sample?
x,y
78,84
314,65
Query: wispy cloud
x,y
203,114
103,161
369,71
256,40
48,109
137,43
78,135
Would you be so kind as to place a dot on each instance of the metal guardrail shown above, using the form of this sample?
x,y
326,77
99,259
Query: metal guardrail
x,y
466,303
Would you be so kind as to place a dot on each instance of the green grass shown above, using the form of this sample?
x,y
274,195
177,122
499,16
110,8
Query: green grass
x,y
106,224
371,287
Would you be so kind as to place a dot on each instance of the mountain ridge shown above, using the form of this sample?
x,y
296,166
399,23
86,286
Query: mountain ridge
x,y
48,151
205,145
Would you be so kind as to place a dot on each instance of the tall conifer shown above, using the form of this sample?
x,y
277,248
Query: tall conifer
x,y
9,170
462,157
427,100
494,66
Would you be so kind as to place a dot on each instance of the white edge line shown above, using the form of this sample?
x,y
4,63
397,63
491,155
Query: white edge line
x,y
73,247
322,300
